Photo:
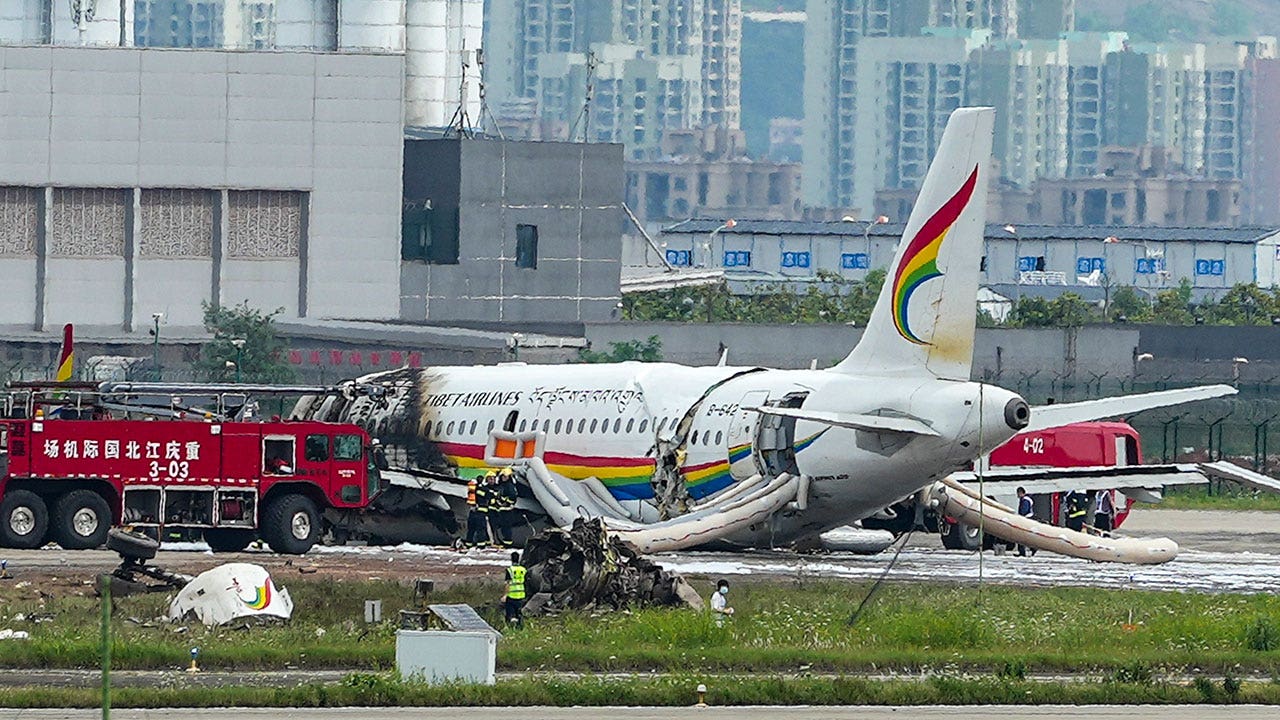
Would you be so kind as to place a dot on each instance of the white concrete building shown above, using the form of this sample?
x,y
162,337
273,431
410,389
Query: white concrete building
x,y
141,181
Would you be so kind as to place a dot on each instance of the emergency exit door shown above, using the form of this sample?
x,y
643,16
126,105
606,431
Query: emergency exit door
x,y
742,429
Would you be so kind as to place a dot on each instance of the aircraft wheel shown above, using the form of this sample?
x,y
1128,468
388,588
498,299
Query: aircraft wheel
x,y
961,536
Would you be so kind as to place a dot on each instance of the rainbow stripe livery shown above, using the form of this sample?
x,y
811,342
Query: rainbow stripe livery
x,y
261,597
920,259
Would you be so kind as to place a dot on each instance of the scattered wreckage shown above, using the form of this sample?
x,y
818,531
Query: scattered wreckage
x,y
215,597
588,567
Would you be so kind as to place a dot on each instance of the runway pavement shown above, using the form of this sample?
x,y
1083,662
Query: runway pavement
x,y
1232,712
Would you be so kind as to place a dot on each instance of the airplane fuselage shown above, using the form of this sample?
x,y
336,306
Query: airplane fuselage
x,y
621,422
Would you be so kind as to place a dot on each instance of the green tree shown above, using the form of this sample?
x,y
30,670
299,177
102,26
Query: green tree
x,y
1128,303
260,355
649,350
1173,306
1066,310
1242,305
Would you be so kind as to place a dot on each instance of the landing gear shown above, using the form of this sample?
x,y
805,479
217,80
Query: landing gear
x,y
959,536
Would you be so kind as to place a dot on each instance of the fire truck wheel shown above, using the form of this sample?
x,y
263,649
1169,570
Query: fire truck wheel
x,y
24,520
291,525
228,539
80,520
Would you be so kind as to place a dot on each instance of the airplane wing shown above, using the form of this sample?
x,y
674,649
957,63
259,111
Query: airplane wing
x,y
1051,416
1152,478
853,421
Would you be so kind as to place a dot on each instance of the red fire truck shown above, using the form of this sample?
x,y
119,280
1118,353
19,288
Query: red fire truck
x,y
1090,444
69,476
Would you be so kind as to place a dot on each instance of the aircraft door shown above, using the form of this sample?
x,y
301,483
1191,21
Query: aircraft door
x,y
775,439
739,441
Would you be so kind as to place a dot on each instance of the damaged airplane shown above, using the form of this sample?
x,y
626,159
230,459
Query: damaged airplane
x,y
672,457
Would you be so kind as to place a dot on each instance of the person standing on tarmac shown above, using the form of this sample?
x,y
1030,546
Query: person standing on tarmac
x,y
1026,509
475,521
507,493
484,503
1104,512
513,600
494,506
1077,507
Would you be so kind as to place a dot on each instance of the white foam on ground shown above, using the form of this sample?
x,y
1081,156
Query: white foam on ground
x,y
1201,571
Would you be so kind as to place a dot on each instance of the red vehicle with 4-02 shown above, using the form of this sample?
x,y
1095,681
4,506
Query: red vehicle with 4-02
x,y
70,480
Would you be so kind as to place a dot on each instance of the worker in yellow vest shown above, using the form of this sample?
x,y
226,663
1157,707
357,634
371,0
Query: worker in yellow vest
x,y
513,601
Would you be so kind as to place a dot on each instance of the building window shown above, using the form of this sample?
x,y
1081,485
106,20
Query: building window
x,y
855,261
415,230
680,258
264,223
19,220
1086,265
1149,266
88,222
428,234
1031,263
795,259
1216,268
176,223
527,247
177,23
737,258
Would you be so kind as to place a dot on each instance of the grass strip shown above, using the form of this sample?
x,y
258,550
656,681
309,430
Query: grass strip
x,y
369,690
1231,497
780,626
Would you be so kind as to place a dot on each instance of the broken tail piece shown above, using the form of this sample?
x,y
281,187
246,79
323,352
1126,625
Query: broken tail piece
x,y
923,321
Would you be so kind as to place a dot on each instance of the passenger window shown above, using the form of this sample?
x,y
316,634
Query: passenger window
x,y
604,427
644,425
522,425
558,426
546,426
719,436
631,425
510,424
317,448
474,425
449,430
491,425
582,425
617,426
661,425
694,441
593,424
428,431
347,447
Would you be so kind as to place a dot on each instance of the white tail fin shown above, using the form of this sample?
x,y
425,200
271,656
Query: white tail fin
x,y
924,320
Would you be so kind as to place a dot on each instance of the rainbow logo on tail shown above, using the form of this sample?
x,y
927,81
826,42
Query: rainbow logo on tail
x,y
67,362
920,260
261,597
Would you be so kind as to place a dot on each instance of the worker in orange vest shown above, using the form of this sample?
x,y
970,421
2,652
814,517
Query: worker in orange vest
x,y
477,533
